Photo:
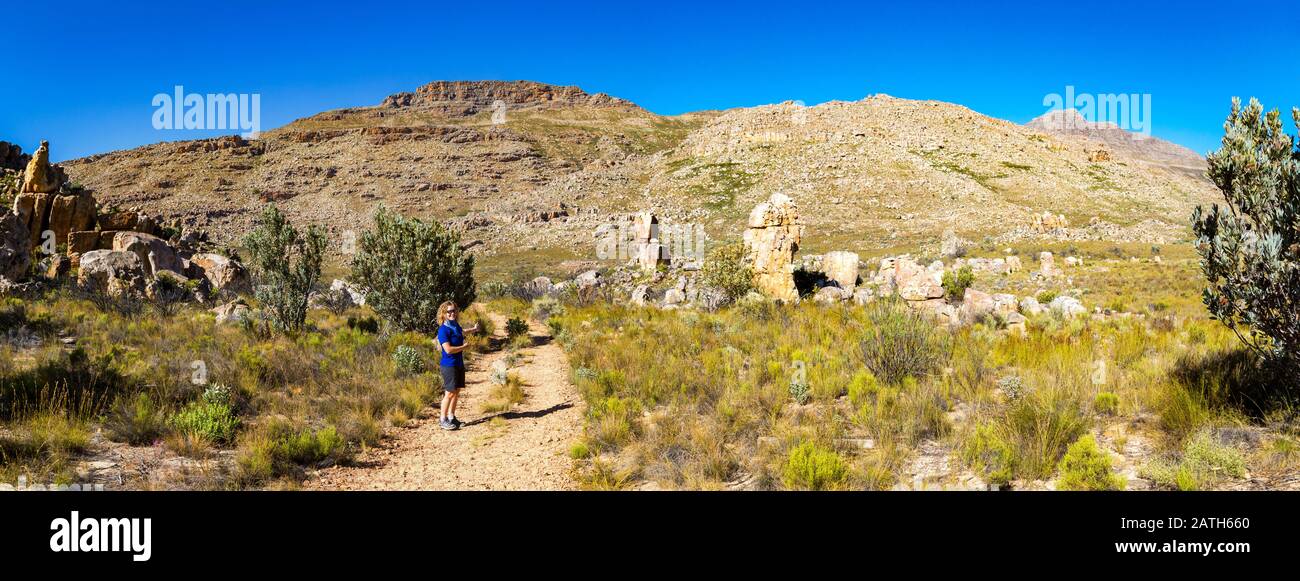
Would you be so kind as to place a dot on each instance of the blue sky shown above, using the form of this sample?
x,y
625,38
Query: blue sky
x,y
83,74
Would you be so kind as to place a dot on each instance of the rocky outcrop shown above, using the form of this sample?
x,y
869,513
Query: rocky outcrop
x,y
649,251
221,272
770,241
15,250
153,251
842,267
40,177
1047,222
112,272
914,282
1047,265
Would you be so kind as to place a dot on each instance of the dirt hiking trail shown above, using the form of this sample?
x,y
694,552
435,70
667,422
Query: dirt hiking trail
x,y
524,448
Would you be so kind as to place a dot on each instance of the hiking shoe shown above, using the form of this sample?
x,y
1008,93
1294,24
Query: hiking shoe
x,y
447,425
456,422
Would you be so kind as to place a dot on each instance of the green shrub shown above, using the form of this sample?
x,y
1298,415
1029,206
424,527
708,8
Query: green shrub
x,y
516,327
811,467
863,387
726,269
410,267
903,343
1250,250
212,421
286,266
137,421
1046,297
989,454
408,359
1086,467
800,391
1106,403
956,283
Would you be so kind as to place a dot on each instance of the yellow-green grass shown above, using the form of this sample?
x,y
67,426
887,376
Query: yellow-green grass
x,y
132,375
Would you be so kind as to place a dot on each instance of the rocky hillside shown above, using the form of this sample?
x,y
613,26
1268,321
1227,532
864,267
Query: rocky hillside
x,y
1069,122
868,175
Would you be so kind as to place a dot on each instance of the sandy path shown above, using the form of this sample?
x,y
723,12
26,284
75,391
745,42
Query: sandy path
x,y
526,449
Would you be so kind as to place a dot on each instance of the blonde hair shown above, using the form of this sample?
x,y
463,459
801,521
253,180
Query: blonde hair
x,y
442,311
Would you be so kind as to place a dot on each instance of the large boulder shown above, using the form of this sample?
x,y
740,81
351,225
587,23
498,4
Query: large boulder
x,y
343,286
15,251
1047,265
33,209
222,272
976,304
112,272
830,295
232,312
771,240
71,213
842,267
915,282
1067,307
154,252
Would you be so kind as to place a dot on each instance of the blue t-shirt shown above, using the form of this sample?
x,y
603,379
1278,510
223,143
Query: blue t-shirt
x,y
450,332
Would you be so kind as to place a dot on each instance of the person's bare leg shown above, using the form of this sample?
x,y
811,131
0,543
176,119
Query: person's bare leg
x,y
447,398
455,399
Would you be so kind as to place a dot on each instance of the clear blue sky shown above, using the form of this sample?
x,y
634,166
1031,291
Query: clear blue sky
x,y
82,74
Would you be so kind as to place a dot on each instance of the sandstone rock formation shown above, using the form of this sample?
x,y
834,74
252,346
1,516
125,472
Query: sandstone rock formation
x,y
770,241
650,253
153,251
111,272
220,271
40,177
15,248
842,267
1047,265
1047,222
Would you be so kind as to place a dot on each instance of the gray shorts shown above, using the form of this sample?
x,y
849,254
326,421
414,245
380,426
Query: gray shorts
x,y
453,377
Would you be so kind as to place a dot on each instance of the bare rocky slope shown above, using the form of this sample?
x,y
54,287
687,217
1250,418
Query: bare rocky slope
x,y
869,175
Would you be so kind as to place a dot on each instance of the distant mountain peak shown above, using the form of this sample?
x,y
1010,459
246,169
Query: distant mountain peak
x,y
1072,123
470,97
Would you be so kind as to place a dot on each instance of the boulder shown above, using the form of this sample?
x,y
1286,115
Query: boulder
x,y
915,283
771,239
976,304
1067,307
232,312
33,209
1047,265
674,297
220,271
113,272
842,267
122,220
1030,306
1012,264
358,297
650,254
588,279
863,296
153,251
639,295
71,213
82,242
15,249
830,295
1004,304
57,267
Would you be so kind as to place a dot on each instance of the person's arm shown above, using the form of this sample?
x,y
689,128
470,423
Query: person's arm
x,y
451,349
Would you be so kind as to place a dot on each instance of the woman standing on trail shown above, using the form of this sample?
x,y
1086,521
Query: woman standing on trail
x,y
451,341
